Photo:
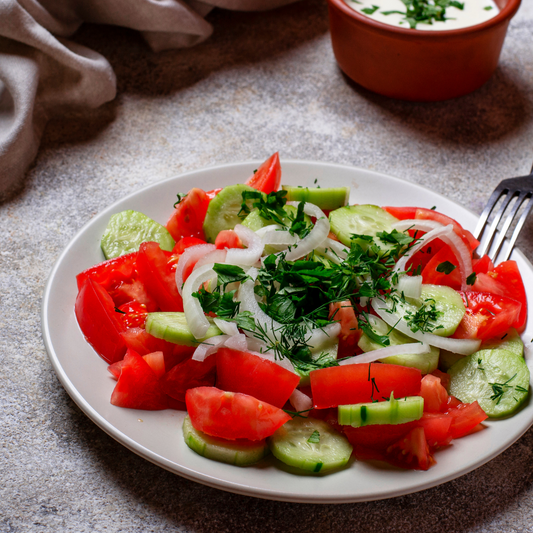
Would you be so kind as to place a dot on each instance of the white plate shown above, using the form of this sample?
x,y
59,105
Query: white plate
x,y
157,436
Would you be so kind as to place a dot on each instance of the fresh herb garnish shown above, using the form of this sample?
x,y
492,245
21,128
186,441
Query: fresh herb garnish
x,y
181,197
446,267
314,438
470,280
370,10
423,12
424,318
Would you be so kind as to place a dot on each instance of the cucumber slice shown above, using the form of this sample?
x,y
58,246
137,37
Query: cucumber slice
x,y
172,327
511,342
498,379
448,304
240,452
223,210
426,363
392,411
127,230
290,444
328,198
361,220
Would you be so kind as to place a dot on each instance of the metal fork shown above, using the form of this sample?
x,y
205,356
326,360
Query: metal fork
x,y
519,188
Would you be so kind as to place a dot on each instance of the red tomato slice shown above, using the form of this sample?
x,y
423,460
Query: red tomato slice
x,y
377,436
186,242
232,415
434,394
133,315
255,376
189,215
101,325
187,375
508,275
487,316
158,278
465,419
213,193
350,334
126,292
228,239
155,360
361,383
138,386
436,429
267,177
110,273
432,276
411,451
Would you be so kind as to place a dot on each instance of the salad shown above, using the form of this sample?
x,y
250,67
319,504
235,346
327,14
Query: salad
x,y
287,321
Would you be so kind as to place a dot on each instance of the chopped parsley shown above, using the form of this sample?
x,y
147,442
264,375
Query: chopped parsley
x,y
424,12
446,267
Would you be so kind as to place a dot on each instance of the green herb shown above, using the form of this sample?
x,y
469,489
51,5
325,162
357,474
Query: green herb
x,y
314,438
487,8
370,10
499,389
423,319
446,267
270,206
117,310
470,280
423,12
181,197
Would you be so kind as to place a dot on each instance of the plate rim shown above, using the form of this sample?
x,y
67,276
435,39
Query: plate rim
x,y
182,470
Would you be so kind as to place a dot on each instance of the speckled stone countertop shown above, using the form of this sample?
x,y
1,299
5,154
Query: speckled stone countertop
x,y
263,82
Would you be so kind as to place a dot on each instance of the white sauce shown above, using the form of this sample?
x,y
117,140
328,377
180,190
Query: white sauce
x,y
474,12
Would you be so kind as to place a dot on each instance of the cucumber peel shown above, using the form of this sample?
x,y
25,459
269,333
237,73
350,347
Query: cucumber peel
x,y
327,198
172,327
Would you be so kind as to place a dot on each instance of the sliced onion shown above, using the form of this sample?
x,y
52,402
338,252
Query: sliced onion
x,y
381,353
459,346
335,251
228,328
249,255
248,302
208,347
214,256
410,286
274,235
196,319
237,342
321,336
457,245
316,236
194,253
301,402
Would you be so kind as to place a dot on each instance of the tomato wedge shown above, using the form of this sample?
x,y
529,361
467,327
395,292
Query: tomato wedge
x,y
411,451
158,277
101,325
250,374
187,375
110,273
350,334
487,315
267,177
138,386
361,383
232,415
189,215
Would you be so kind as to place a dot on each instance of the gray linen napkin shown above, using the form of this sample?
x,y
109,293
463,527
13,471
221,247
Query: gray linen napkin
x,y
44,74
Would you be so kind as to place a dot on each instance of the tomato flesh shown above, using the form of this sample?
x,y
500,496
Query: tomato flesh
x,y
187,220
267,178
362,383
350,334
250,374
232,415
187,375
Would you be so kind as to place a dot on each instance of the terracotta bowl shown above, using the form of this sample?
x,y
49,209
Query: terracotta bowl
x,y
424,66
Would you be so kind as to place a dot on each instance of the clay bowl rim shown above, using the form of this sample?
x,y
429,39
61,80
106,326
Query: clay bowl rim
x,y
510,9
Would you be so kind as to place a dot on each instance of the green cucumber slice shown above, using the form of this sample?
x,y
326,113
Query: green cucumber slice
x,y
127,230
327,198
362,220
223,210
172,327
392,411
240,452
497,379
290,444
511,342
426,363
448,304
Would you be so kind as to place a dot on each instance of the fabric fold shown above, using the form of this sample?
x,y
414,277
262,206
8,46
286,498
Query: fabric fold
x,y
43,74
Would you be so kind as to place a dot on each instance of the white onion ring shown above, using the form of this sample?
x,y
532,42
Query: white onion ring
x,y
193,253
237,342
460,346
387,351
228,328
249,255
457,245
410,286
301,402
275,235
316,236
321,336
209,346
333,250
214,256
196,319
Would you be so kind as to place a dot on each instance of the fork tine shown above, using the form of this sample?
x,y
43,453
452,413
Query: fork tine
x,y
523,195
490,233
489,206
518,227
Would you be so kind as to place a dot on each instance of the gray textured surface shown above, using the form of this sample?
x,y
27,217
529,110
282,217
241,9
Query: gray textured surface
x,y
264,82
